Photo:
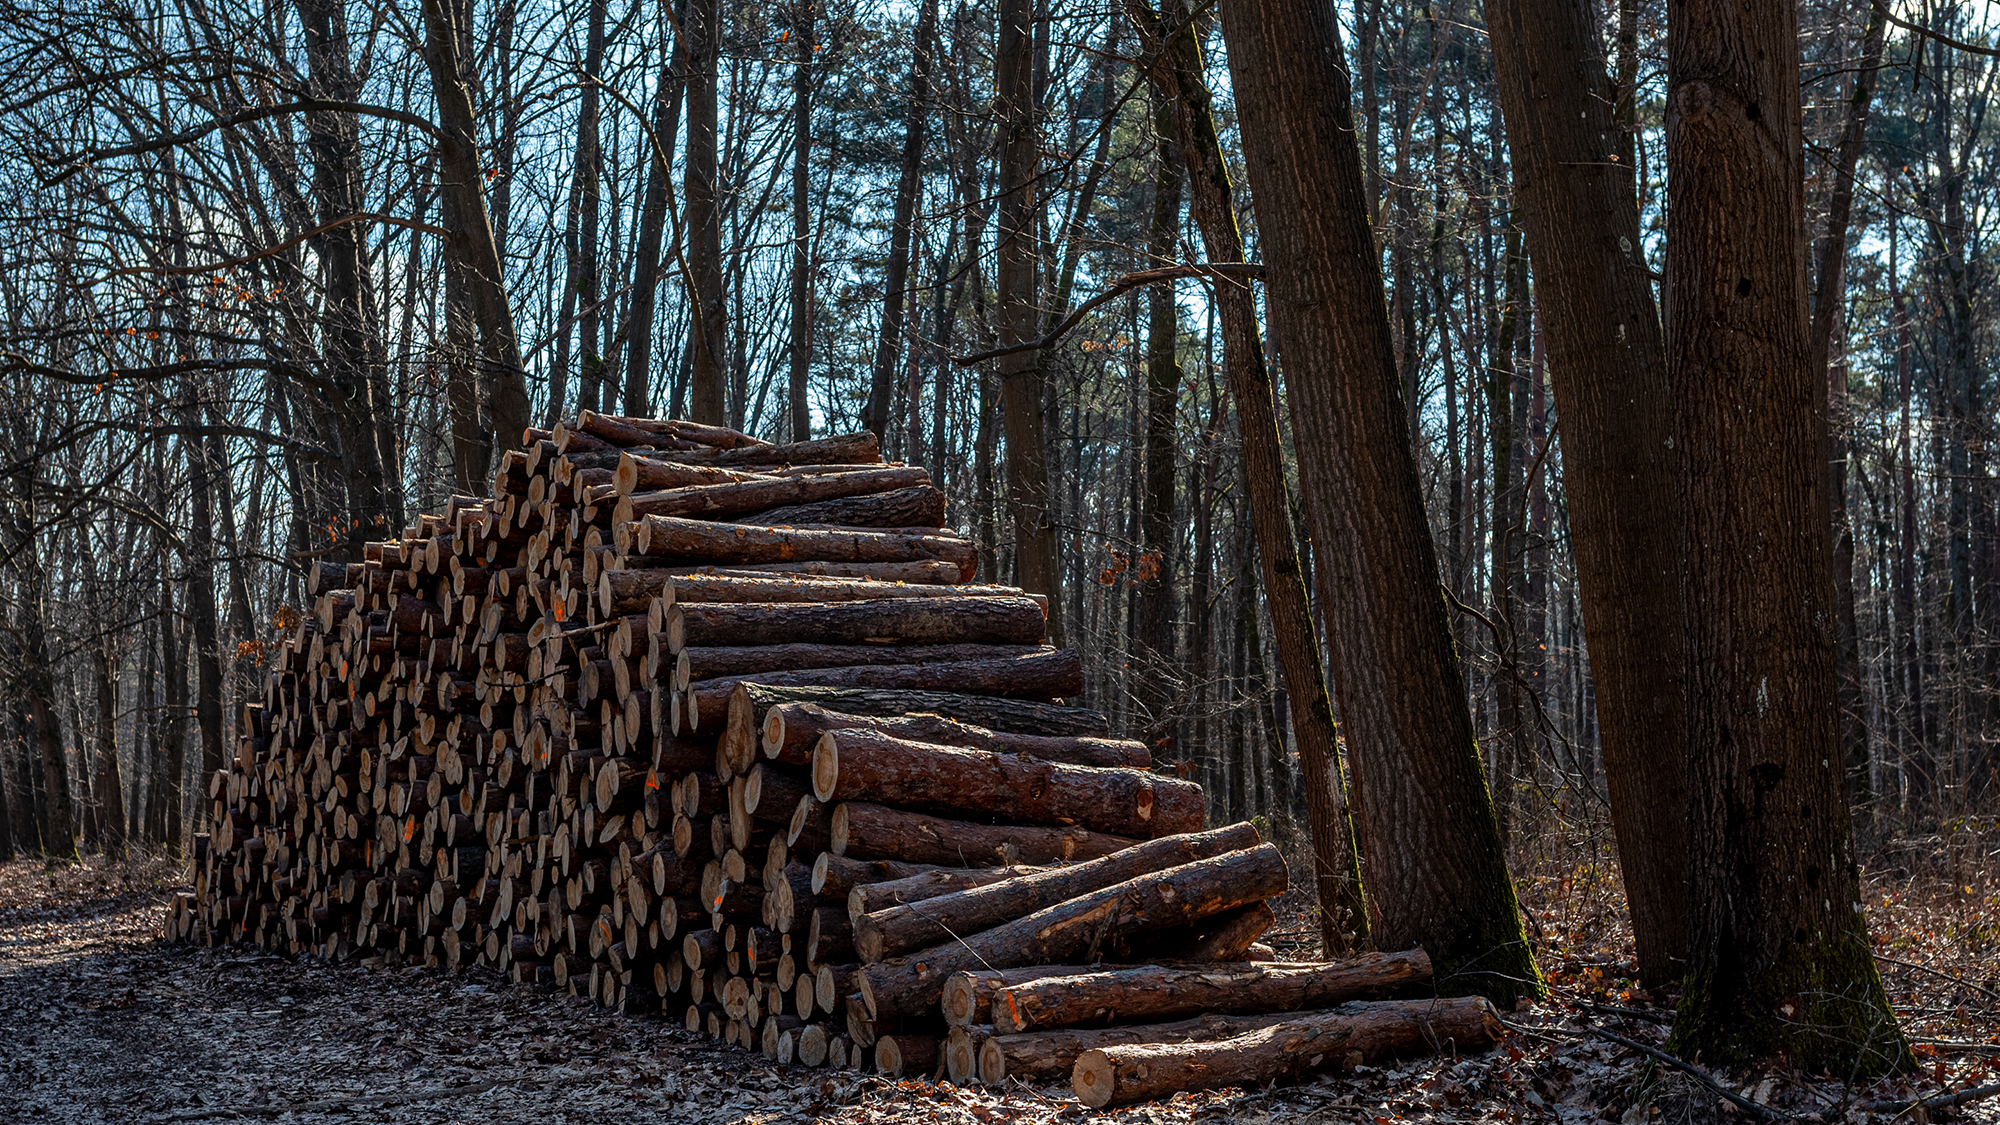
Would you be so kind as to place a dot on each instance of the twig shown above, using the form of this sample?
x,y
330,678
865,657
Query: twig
x,y
1628,1013
1935,1101
1688,1068
1124,284
1940,973
328,1104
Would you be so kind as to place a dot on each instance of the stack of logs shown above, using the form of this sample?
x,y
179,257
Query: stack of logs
x,y
686,722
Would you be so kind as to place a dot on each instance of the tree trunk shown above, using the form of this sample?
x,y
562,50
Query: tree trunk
x,y
707,305
1582,222
584,276
110,786
1177,75
895,280
646,267
1157,678
802,263
1020,320
1779,958
1431,848
460,175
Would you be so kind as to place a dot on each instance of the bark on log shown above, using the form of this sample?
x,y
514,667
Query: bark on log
x,y
921,505
1048,1056
896,929
697,663
1156,993
792,730
1232,940
862,448
865,765
906,1055
870,897
1348,1036
638,473
968,996
672,537
927,572
1014,717
750,586
940,620
866,831
1074,928
836,876
739,498
1054,674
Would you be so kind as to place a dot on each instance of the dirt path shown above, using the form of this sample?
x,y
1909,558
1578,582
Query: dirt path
x,y
102,1023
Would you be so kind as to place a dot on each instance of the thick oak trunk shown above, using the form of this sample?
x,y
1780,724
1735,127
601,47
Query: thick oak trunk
x,y
1079,926
1349,1036
896,929
865,831
863,765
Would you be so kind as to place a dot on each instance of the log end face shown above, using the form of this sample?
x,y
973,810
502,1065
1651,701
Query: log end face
x,y
1093,1078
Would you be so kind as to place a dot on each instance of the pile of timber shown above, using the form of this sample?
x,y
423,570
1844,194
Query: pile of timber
x,y
692,724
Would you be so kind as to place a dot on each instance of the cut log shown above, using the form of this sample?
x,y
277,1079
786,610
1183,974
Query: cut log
x,y
907,1055
866,765
1041,677
638,472
921,505
835,876
860,448
961,1053
940,620
1348,1036
747,586
1074,928
1015,716
1240,930
791,730
737,498
742,661
968,996
1049,1056
896,929
673,537
1155,993
928,885
869,831
927,572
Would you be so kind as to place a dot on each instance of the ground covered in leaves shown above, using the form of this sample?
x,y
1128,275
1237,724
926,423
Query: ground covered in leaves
x,y
101,1022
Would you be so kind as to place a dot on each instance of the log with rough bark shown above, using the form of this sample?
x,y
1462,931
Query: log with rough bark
x,y
940,620
1157,993
754,586
1012,716
1348,1036
792,730
866,765
673,537
1073,928
921,505
902,1055
743,661
860,448
738,498
870,897
835,877
1041,676
639,472
1238,931
1050,1056
867,831
898,928
927,572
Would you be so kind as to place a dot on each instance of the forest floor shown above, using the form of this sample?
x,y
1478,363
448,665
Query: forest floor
x,y
102,1022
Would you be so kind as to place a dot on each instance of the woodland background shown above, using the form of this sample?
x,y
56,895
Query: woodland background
x,y
232,342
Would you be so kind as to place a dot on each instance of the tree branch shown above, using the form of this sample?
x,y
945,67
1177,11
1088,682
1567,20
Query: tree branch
x,y
1124,284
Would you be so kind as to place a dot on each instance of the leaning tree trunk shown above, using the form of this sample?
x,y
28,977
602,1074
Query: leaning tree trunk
x,y
1779,959
1607,362
1178,76
1431,848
